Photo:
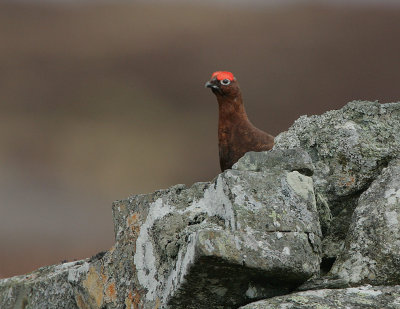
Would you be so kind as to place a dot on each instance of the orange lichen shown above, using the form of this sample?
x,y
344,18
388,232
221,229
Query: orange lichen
x,y
136,299
80,302
133,300
157,303
133,223
347,181
111,292
350,182
94,285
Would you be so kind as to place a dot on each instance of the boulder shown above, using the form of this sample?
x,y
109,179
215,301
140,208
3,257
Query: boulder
x,y
372,248
362,297
247,235
349,148
327,194
258,227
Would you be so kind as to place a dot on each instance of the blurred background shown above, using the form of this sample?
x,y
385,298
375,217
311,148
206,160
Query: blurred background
x,y
102,100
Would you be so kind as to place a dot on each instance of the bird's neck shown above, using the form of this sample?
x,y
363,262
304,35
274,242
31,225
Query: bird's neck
x,y
231,111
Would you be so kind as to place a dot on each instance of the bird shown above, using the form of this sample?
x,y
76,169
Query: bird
x,y
236,134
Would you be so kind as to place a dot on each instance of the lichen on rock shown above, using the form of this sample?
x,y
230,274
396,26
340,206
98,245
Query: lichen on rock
x,y
349,148
361,297
372,252
328,193
252,225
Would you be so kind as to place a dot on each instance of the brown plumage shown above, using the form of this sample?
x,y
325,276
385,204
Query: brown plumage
x,y
236,134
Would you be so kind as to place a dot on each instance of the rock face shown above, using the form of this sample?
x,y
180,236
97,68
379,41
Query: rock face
x,y
361,297
260,228
349,148
247,235
372,250
254,232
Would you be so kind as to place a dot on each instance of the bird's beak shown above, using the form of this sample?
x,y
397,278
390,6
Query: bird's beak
x,y
214,87
210,85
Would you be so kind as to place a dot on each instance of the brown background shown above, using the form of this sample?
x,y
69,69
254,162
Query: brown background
x,y
98,102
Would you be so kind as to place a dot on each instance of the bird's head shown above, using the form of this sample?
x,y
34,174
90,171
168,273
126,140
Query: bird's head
x,y
223,84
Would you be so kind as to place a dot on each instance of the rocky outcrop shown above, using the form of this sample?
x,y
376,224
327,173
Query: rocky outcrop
x,y
349,148
246,235
360,297
372,247
327,194
256,227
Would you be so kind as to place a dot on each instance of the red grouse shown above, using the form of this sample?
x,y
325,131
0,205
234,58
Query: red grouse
x,y
236,134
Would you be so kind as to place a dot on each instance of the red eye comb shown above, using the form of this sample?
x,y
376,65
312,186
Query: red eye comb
x,y
220,75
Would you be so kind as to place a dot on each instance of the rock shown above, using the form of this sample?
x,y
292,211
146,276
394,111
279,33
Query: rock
x,y
372,250
349,148
254,232
245,236
257,227
360,297
50,286
295,159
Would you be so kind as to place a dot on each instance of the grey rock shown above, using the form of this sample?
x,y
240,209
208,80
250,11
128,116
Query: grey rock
x,y
255,231
362,297
324,282
246,235
47,287
295,159
256,227
372,250
349,148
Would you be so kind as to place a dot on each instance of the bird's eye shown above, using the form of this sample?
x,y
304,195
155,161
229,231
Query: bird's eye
x,y
225,82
